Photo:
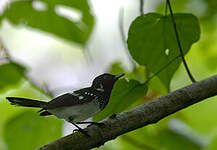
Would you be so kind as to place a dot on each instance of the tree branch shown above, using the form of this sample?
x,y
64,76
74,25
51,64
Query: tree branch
x,y
148,113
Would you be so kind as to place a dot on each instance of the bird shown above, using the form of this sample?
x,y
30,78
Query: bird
x,y
77,106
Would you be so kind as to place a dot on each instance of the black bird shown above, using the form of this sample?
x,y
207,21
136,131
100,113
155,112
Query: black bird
x,y
76,106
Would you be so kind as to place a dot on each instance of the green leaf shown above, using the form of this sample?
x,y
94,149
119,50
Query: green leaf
x,y
152,41
178,6
123,95
158,137
48,19
116,68
138,73
28,131
10,75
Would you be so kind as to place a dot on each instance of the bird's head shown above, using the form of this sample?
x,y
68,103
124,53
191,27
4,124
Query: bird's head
x,y
105,81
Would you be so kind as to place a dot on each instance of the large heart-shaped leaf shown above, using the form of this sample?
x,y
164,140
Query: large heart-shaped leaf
x,y
123,95
28,131
52,16
152,41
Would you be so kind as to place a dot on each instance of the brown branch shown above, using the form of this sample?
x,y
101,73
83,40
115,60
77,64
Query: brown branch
x,y
148,113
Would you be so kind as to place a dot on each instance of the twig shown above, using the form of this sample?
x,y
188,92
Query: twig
x,y
179,43
121,29
166,7
141,7
123,37
161,69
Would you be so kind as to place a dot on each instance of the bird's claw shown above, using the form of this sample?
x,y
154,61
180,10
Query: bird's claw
x,y
97,124
113,116
82,131
75,130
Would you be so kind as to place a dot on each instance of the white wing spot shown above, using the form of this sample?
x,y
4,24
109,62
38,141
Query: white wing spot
x,y
75,94
81,97
99,89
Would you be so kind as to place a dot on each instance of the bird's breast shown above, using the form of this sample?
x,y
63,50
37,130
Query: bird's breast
x,y
79,112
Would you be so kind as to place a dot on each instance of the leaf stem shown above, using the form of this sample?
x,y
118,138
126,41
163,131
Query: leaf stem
x,y
161,69
141,7
179,43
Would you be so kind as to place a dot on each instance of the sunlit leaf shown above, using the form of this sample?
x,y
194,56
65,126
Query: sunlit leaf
x,y
28,131
152,41
138,73
123,95
116,68
10,75
53,16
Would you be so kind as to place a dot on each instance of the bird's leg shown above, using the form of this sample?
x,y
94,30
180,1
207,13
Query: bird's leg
x,y
91,123
80,129
113,116
70,119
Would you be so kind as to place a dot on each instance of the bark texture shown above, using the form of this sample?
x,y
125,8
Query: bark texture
x,y
147,113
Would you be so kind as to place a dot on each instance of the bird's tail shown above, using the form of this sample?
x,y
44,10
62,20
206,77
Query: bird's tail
x,y
17,101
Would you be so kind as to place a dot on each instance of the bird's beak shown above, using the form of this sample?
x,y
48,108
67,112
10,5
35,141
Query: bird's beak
x,y
118,76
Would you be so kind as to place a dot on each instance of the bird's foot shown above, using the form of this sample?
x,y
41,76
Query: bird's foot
x,y
82,131
91,123
97,124
113,116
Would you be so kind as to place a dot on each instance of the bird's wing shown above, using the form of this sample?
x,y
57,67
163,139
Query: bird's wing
x,y
70,99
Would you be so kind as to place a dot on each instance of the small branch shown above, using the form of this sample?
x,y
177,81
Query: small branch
x,y
141,7
179,43
121,27
161,69
123,36
166,8
145,114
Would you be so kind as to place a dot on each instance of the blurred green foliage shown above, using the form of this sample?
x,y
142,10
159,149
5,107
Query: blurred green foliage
x,y
10,74
32,130
43,15
157,138
149,36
